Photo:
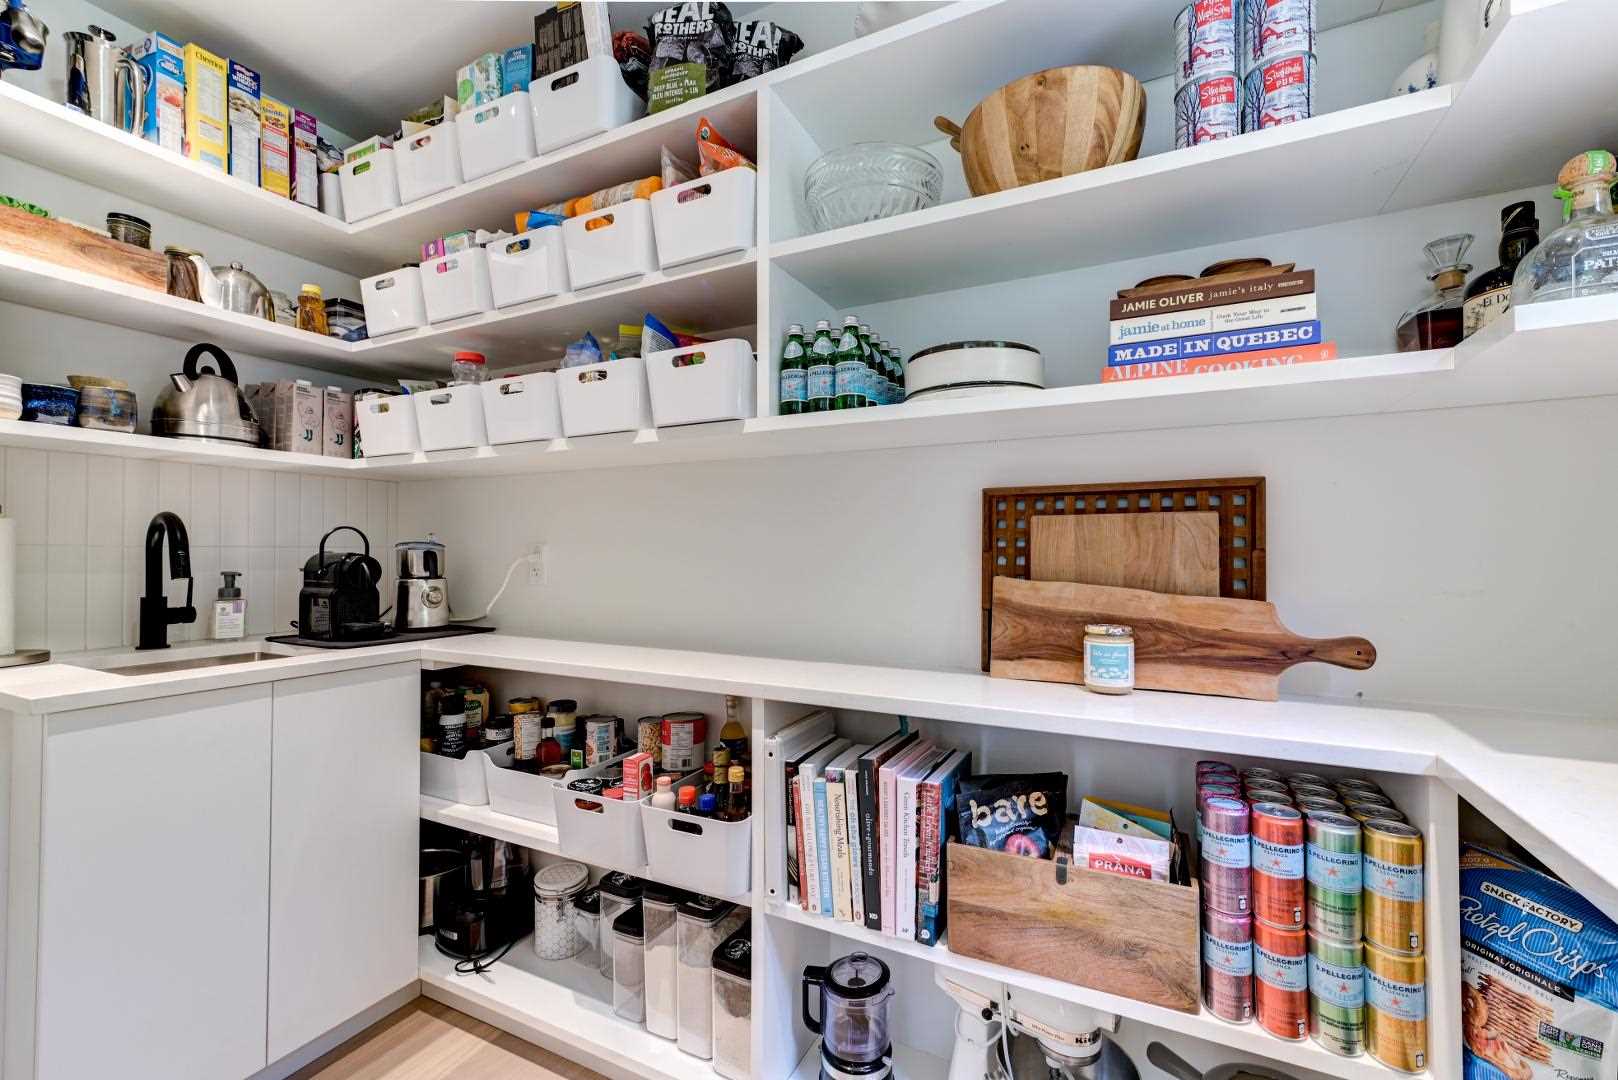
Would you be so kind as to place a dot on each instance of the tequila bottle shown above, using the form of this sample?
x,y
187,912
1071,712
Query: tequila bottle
x,y
1580,258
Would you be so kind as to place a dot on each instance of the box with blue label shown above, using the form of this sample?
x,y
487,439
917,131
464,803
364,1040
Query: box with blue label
x,y
164,112
517,68
246,122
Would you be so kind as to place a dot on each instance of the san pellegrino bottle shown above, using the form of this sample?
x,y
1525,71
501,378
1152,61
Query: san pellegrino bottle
x,y
898,372
821,382
794,397
850,367
894,396
873,368
1581,257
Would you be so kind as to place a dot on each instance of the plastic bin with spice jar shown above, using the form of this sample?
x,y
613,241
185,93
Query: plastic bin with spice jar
x,y
556,935
619,893
704,923
733,1005
660,907
587,924
629,964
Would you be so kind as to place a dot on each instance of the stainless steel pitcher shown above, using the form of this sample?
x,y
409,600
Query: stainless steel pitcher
x,y
103,82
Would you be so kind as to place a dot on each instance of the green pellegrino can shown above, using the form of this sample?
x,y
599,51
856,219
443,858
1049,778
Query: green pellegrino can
x,y
851,368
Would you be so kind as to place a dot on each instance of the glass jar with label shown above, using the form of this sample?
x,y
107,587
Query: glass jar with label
x,y
1580,258
1109,658
556,934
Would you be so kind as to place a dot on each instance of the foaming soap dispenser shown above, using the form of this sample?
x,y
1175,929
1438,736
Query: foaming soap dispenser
x,y
230,609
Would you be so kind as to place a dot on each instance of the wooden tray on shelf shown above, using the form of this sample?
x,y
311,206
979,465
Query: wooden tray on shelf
x,y
1008,532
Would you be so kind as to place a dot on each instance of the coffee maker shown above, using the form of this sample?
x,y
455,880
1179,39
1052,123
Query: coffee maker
x,y
422,601
854,993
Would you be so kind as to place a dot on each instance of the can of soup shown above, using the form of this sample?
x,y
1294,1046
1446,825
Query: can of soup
x,y
682,739
1225,856
1271,28
1227,966
1281,980
1207,109
1278,91
1332,867
1394,912
1205,40
1396,1009
1337,995
600,738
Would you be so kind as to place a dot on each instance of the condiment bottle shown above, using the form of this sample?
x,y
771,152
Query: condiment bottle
x,y
733,736
452,727
734,806
687,799
707,804
312,311
707,775
663,794
550,751
467,367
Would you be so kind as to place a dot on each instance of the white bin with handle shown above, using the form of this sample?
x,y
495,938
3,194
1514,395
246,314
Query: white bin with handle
x,y
711,215
698,384
621,246
522,408
580,101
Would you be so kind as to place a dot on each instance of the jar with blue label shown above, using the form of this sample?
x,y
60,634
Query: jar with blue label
x,y
1109,658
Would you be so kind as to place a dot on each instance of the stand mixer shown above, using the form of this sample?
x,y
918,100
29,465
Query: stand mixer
x,y
1002,1034
22,38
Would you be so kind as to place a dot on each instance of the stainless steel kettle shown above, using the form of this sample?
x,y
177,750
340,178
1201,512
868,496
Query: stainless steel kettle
x,y
103,81
205,405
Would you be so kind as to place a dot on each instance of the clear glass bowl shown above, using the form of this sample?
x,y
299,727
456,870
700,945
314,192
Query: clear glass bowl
x,y
870,181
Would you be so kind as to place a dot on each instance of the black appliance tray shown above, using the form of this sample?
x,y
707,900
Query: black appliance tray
x,y
392,637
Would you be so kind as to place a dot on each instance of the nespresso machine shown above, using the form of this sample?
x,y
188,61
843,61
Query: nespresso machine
x,y
422,601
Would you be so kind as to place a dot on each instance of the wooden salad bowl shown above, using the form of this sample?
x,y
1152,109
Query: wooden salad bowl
x,y
1053,123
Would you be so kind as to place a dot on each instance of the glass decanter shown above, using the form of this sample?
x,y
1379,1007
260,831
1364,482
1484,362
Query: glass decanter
x,y
1580,258
1438,322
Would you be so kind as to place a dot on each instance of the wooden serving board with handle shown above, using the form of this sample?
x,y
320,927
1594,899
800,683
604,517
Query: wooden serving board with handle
x,y
1197,644
1163,552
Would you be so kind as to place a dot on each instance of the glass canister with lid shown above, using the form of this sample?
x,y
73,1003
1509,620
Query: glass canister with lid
x,y
704,922
556,934
629,964
733,1005
619,892
660,905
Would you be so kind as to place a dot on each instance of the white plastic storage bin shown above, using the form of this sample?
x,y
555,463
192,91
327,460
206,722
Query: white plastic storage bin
x,y
622,248
393,302
454,286
604,397
369,185
700,383
451,418
460,780
523,794
705,855
584,100
708,216
601,831
429,162
528,267
387,425
523,408
496,135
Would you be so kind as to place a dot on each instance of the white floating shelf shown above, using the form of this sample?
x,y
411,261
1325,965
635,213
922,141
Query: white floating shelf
x,y
486,822
561,1005
76,440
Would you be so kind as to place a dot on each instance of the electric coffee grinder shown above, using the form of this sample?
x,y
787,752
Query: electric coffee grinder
x,y
853,1024
422,602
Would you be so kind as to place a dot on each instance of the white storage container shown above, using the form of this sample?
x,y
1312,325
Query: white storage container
x,y
660,906
733,1006
699,383
451,418
604,397
705,855
622,248
618,892
708,216
523,794
601,831
704,923
393,302
460,780
454,286
527,267
584,100
369,185
523,408
387,424
495,135
429,162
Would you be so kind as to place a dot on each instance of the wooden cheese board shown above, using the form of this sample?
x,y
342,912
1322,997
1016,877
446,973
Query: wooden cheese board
x,y
80,249
1160,552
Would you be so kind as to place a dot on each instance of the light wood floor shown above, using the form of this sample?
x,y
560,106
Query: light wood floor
x,y
425,1040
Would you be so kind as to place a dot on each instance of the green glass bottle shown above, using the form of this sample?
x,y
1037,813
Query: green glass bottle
x,y
821,380
890,385
794,387
873,367
850,367
898,372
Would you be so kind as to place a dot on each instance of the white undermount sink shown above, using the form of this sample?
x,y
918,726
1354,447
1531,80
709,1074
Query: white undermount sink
x,y
161,661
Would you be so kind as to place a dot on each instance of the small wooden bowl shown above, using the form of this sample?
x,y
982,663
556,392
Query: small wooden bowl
x,y
1050,124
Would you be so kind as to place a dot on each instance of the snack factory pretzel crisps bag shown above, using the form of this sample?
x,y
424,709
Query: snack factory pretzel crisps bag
x,y
1539,970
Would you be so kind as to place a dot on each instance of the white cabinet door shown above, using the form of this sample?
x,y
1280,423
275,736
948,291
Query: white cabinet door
x,y
154,887
345,816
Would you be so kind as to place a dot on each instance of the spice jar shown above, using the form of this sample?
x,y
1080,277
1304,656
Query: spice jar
x,y
556,935
587,924
1109,658
619,892
660,905
733,1005
629,964
705,922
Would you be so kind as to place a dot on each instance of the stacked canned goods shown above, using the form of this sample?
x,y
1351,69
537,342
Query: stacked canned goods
x,y
1318,930
1242,65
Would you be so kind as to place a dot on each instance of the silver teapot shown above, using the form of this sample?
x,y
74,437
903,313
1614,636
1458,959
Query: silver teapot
x,y
233,288
203,404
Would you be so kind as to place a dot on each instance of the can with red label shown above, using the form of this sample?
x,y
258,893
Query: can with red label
x,y
1227,965
1281,980
1205,40
1278,865
682,741
1278,91
1215,791
1224,855
1207,109
1271,28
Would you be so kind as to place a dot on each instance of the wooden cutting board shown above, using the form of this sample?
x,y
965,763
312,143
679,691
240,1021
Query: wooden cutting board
x,y
80,249
1197,644
1166,553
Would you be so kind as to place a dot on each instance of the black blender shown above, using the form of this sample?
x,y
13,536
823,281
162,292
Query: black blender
x,y
853,1022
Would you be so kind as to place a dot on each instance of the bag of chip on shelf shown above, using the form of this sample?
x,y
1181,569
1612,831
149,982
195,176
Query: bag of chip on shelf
x,y
714,154
691,46
761,47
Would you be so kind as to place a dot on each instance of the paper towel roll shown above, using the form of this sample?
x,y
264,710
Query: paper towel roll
x,y
8,586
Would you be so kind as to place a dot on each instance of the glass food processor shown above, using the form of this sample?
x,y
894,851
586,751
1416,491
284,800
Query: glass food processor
x,y
853,1022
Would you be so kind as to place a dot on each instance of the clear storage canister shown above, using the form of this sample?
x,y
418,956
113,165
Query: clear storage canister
x,y
556,936
629,965
705,922
587,924
660,906
733,1005
619,892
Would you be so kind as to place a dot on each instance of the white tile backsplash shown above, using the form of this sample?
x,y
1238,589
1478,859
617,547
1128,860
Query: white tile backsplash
x,y
81,530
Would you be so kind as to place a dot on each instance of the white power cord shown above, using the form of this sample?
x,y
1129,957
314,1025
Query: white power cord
x,y
512,569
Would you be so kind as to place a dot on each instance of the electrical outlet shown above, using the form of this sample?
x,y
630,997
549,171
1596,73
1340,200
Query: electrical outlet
x,y
536,564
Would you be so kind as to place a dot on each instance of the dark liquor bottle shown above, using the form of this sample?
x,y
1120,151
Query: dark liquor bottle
x,y
1489,295
1435,323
